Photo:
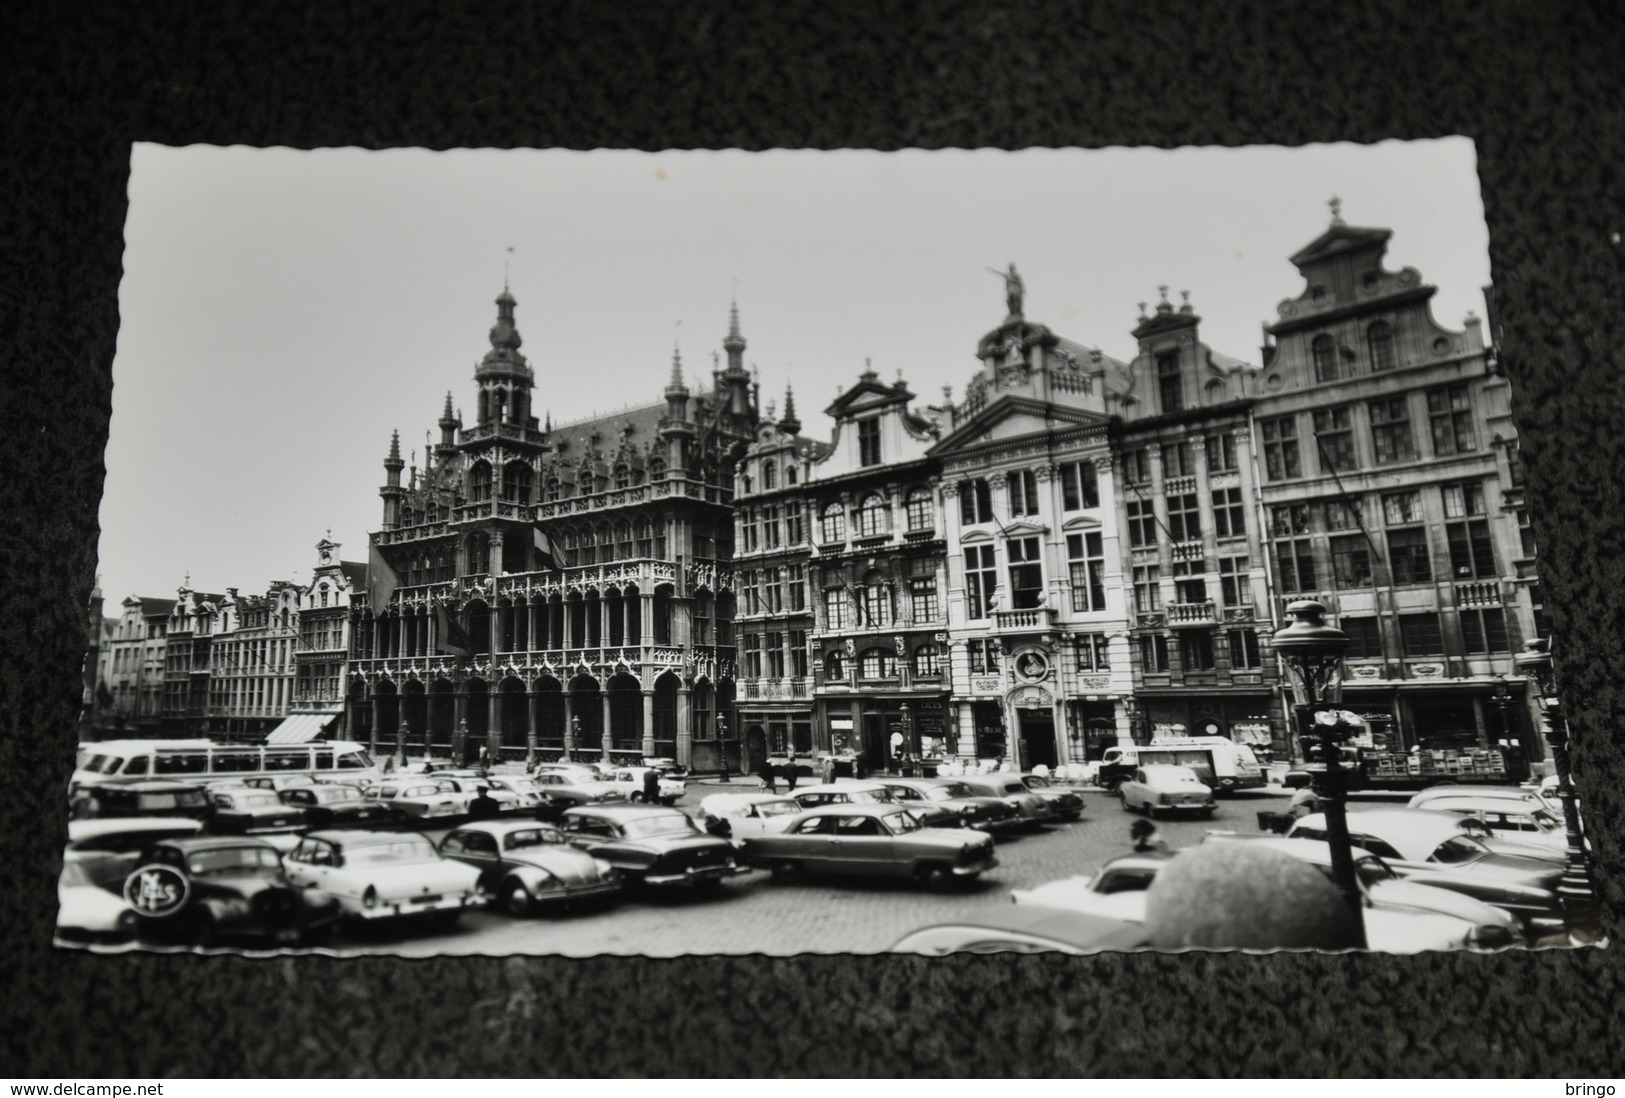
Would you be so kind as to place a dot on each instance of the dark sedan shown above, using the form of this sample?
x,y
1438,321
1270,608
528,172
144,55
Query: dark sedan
x,y
1010,789
244,810
958,803
882,840
651,845
1067,803
151,797
327,806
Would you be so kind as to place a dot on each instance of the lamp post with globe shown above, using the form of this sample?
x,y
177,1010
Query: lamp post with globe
x,y
1579,899
1313,654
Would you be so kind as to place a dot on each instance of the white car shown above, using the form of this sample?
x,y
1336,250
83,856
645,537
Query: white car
x,y
110,849
742,816
1507,819
671,789
424,798
1156,788
88,912
526,793
385,875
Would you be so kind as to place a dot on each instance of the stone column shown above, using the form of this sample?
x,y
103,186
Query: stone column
x,y
648,723
685,728
569,729
377,719
530,723
605,738
493,725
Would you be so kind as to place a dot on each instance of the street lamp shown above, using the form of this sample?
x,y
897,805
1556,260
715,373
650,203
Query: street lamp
x,y
910,749
722,745
1313,654
1579,900
571,738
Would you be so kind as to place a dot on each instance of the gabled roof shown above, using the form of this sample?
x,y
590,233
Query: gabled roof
x,y
151,607
1059,416
869,392
1338,239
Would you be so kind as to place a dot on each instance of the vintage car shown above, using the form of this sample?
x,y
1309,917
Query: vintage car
x,y
1067,803
1117,891
671,789
1432,848
526,793
528,866
244,810
1026,929
1009,788
385,875
208,891
276,783
424,798
109,849
956,804
1154,789
496,800
87,912
563,789
652,845
337,805
1507,819
124,798
885,840
740,816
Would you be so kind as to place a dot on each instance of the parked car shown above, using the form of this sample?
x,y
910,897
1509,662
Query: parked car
x,y
527,794
671,789
565,789
244,810
1067,803
86,912
1154,789
1431,848
425,798
528,865
496,800
109,849
1116,891
1026,929
740,816
652,845
1116,766
1033,809
959,805
276,783
1507,819
385,875
124,798
210,890
337,805
884,840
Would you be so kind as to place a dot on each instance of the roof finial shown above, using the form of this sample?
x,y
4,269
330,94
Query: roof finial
x,y
1337,209
733,319
505,262
1142,308
394,447
1163,306
1185,301
790,424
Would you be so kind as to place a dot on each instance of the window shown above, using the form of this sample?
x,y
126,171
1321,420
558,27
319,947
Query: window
x,y
835,665
1526,534
1391,430
925,662
980,580
773,586
1190,581
1244,654
1450,415
1514,466
770,527
869,442
1399,508
798,653
1178,460
749,534
1142,523
797,587
770,475
793,531
753,655
1379,343
984,655
1136,467
1221,453
1154,653
1343,514
876,601
479,482
1184,517
1365,639
975,502
1235,581
1351,561
1324,353
1229,513
1086,568
749,596
871,517
922,594
1079,488
1147,588
1334,438
835,608
1196,649
1289,519
1026,573
645,537
1471,554
1295,565
834,524
1023,488
1484,631
917,509
1092,650
1281,448
877,663
1419,635
775,655
1408,556
1170,386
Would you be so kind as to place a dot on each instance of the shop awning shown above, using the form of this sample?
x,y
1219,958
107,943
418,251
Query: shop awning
x,y
301,728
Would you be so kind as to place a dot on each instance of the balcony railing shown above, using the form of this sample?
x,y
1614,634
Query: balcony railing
x,y
1035,619
1478,594
1191,613
1175,486
773,689
1187,550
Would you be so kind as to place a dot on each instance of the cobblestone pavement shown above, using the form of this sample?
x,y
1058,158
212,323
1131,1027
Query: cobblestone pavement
x,y
752,913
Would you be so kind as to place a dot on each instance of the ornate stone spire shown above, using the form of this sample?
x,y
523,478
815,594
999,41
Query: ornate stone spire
x,y
734,338
788,423
676,385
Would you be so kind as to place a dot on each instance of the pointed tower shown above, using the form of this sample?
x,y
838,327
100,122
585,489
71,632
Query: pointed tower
x,y
504,377
392,490
448,427
676,431
735,379
788,423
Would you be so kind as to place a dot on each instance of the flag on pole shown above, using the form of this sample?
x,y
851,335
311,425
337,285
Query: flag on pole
x,y
453,639
544,549
381,580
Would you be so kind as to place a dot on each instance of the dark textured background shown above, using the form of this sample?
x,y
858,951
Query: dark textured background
x,y
1537,84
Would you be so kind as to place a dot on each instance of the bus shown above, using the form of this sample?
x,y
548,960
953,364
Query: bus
x,y
1223,765
205,761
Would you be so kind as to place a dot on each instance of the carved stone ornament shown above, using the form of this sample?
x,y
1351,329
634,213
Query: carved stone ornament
x,y
1427,670
1366,671
1095,682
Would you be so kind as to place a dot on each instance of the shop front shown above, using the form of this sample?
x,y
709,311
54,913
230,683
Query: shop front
x,y
1249,717
776,734
868,734
1091,727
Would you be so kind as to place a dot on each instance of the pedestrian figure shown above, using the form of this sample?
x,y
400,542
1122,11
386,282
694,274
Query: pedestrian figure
x,y
1305,802
389,764
651,786
827,769
1146,839
790,777
484,804
485,757
769,782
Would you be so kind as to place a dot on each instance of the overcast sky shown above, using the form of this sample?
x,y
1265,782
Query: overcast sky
x,y
283,311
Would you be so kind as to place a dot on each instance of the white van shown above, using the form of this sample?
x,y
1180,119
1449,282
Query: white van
x,y
1222,764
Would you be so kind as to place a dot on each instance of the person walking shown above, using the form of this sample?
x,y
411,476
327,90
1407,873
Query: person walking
x,y
769,780
1146,839
790,776
1305,802
651,786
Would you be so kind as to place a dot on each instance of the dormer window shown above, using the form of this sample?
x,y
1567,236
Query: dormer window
x,y
1169,383
1379,341
1325,356
769,476
869,442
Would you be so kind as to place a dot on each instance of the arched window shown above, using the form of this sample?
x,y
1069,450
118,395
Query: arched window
x,y
1325,356
555,490
877,609
770,476
877,663
833,524
568,545
789,474
872,517
925,661
623,475
917,508
657,468
479,482
1379,342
